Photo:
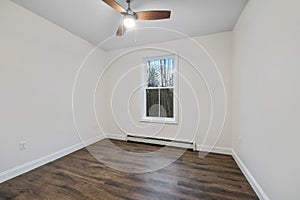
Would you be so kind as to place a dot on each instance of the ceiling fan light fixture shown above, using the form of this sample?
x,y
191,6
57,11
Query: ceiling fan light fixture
x,y
129,21
130,17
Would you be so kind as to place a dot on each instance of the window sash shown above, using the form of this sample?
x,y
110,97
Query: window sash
x,y
160,104
160,72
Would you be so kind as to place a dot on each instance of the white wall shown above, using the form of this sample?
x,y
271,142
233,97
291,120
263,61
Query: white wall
x,y
266,95
38,64
125,96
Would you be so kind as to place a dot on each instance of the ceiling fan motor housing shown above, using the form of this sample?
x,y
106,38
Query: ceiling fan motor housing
x,y
129,11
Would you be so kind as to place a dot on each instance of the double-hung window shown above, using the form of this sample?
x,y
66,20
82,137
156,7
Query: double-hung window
x,y
159,91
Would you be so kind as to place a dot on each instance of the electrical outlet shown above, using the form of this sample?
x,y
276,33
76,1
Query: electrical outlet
x,y
22,146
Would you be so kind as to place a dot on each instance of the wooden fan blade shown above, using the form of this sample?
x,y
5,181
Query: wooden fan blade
x,y
115,5
153,15
121,30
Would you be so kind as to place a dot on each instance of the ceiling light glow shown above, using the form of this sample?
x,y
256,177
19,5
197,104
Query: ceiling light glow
x,y
129,21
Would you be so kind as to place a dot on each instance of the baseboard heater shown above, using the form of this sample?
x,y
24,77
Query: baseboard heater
x,y
162,141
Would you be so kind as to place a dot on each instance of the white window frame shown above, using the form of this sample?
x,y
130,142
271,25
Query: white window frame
x,y
144,118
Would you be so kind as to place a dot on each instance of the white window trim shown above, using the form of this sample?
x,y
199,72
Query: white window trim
x,y
163,120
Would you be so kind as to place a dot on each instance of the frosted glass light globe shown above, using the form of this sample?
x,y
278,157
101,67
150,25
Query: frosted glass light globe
x,y
129,21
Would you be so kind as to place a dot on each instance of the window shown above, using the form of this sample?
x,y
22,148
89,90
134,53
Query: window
x,y
159,104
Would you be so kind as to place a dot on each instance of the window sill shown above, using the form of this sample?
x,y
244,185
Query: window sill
x,y
159,121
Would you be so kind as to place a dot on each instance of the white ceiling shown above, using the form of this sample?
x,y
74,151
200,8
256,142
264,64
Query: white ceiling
x,y
94,21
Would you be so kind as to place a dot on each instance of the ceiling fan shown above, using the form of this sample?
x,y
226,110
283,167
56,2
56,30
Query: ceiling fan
x,y
130,17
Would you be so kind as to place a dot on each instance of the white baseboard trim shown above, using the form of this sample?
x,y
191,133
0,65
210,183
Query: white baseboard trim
x,y
220,150
254,184
16,171
212,149
92,140
115,136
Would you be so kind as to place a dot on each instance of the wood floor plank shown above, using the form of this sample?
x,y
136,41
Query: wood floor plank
x,y
81,176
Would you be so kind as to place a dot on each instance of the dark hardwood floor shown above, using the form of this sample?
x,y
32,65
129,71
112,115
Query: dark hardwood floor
x,y
81,176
